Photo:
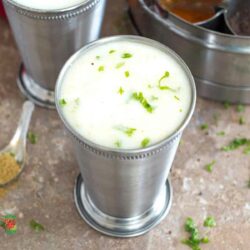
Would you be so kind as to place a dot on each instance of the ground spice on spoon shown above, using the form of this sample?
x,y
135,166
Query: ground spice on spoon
x,y
9,168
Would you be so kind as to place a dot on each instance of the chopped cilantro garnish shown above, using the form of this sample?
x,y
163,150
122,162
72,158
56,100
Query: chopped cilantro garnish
x,y
101,68
204,126
139,97
32,137
194,240
220,133
119,65
126,73
247,150
126,55
177,98
118,144
236,143
128,131
145,142
209,222
36,226
242,120
240,108
164,87
97,57
226,104
121,91
150,86
62,102
111,51
209,167
166,74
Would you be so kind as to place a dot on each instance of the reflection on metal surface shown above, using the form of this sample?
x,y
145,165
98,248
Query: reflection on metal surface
x,y
122,227
46,39
33,91
220,62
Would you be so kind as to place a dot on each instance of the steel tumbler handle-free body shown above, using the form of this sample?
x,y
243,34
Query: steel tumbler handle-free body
x,y
46,39
124,192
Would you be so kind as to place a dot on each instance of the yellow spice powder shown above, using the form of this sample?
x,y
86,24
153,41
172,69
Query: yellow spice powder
x,y
9,168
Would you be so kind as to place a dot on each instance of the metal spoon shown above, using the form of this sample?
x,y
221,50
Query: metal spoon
x,y
17,145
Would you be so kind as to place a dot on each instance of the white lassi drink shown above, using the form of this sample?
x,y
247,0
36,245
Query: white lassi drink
x,y
125,94
49,5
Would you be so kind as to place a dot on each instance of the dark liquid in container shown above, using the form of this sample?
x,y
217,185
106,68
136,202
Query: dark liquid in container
x,y
193,11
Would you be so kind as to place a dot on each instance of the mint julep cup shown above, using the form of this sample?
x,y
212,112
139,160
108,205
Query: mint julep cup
x,y
46,38
124,192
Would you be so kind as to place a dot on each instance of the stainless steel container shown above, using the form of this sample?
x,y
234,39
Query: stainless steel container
x,y
124,192
46,39
219,62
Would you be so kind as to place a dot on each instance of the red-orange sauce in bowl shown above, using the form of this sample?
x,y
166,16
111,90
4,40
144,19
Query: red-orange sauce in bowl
x,y
193,11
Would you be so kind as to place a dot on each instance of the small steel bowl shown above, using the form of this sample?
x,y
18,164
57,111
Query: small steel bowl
x,y
219,62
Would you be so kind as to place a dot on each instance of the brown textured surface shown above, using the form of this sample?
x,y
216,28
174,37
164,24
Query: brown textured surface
x,y
45,189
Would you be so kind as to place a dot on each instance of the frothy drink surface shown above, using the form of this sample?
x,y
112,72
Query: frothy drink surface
x,y
125,94
49,4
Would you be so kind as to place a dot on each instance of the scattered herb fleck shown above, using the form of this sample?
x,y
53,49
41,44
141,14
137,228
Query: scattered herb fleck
x,y
126,55
209,167
226,104
242,120
209,222
111,51
101,68
240,108
220,133
236,143
194,240
119,65
177,98
121,91
247,150
180,110
32,137
145,142
36,226
126,73
204,126
97,57
139,97
62,102
128,131
150,86
166,75
118,144
164,87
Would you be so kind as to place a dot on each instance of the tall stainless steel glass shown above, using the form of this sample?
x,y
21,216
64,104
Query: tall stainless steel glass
x,y
46,39
124,192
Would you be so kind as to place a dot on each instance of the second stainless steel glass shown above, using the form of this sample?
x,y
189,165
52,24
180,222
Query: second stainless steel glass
x,y
46,39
